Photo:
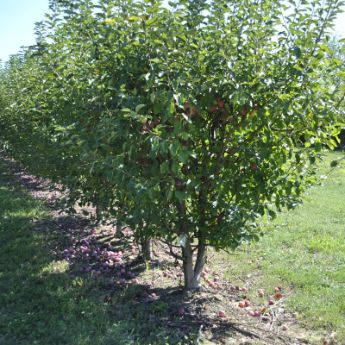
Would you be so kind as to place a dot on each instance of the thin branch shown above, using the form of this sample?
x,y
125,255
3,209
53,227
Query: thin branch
x,y
171,251
340,100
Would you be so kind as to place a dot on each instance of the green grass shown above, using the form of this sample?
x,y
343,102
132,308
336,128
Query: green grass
x,y
304,251
41,303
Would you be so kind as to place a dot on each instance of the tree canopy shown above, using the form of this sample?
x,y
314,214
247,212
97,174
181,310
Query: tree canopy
x,y
187,121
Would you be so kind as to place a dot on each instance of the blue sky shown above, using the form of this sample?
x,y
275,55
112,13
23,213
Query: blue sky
x,y
17,19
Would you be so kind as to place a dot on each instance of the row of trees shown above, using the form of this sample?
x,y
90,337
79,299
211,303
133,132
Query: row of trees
x,y
186,121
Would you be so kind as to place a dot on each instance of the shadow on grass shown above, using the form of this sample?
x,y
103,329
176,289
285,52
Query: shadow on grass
x,y
62,283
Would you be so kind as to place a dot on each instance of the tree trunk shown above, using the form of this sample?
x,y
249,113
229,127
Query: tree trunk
x,y
200,262
98,213
188,269
192,273
146,246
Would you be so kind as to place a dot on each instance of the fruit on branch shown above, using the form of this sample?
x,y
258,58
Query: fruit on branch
x,y
213,109
220,103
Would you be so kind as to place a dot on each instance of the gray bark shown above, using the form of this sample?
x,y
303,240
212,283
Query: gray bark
x,y
146,249
192,273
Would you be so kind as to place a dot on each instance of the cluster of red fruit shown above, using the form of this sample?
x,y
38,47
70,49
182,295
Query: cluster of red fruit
x,y
215,283
245,303
220,104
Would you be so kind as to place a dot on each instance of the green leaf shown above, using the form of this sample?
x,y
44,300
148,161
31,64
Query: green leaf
x,y
134,18
297,52
334,163
272,214
139,107
184,156
164,168
180,195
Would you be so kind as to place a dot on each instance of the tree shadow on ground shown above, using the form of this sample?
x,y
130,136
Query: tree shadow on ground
x,y
65,281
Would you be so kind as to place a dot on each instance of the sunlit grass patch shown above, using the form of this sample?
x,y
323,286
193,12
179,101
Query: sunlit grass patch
x,y
59,266
304,251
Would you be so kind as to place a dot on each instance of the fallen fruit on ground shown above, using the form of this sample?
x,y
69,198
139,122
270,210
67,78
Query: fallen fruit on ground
x,y
181,311
254,313
221,313
242,304
278,295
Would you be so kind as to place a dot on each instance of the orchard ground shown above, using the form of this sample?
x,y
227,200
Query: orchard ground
x,y
65,280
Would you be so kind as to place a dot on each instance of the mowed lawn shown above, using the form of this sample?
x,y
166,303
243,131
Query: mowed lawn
x,y
304,252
